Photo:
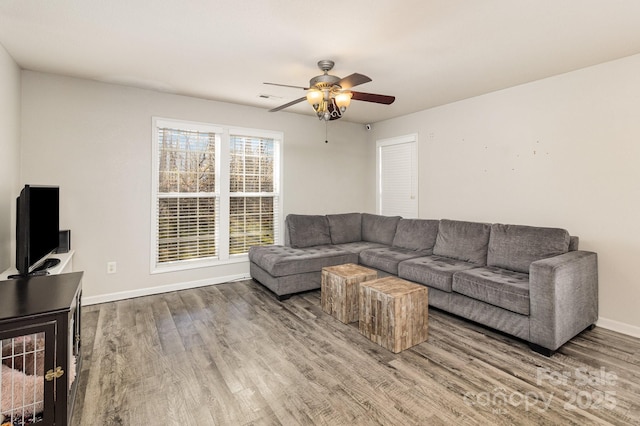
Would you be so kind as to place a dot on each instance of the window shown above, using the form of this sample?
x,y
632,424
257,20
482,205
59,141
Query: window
x,y
252,193
216,193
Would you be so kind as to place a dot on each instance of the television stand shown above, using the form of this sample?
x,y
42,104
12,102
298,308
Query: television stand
x,y
64,266
40,270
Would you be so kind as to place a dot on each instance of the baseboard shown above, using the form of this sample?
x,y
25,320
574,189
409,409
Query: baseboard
x,y
112,297
618,326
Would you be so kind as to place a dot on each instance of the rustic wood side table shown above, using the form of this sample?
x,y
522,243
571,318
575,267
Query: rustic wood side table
x,y
339,290
394,313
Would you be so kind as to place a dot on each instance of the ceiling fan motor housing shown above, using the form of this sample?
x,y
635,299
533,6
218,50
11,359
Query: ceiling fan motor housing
x,y
324,81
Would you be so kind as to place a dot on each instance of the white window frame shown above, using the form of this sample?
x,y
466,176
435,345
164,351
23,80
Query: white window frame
x,y
222,191
277,184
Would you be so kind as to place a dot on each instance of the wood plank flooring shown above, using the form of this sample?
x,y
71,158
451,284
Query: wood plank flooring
x,y
231,354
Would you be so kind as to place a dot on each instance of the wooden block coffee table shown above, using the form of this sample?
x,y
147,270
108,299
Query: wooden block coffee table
x,y
394,313
339,290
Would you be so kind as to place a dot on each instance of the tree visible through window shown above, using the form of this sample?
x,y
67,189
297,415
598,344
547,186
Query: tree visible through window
x,y
187,198
252,193
197,218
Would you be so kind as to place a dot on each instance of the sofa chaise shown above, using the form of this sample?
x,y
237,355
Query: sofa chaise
x,y
530,282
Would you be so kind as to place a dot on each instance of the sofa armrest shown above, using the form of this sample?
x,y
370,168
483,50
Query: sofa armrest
x,y
563,293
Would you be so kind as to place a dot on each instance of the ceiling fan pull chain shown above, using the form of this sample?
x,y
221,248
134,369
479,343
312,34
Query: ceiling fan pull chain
x,y
326,132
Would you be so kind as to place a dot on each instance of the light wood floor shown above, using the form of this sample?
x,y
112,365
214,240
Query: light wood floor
x,y
231,354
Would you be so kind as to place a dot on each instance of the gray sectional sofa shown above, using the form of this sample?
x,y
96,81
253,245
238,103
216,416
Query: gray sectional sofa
x,y
530,282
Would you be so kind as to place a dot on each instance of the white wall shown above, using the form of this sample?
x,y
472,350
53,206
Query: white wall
x,y
10,154
94,140
557,152
560,152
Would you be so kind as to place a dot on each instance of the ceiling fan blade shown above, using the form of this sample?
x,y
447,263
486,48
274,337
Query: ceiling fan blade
x,y
287,105
287,85
372,97
353,80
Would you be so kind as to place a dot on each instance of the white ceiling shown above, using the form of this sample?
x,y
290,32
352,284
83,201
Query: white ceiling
x,y
424,52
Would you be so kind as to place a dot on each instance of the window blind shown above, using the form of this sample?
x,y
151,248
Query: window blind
x,y
253,198
188,204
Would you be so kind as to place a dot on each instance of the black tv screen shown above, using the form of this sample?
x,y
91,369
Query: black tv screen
x,y
37,226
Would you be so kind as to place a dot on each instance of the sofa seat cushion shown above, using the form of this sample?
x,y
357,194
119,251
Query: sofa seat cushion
x,y
280,261
467,241
496,286
387,258
379,229
308,230
345,227
433,271
358,246
416,234
514,247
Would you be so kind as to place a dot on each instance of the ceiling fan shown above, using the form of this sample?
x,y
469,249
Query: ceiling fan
x,y
331,95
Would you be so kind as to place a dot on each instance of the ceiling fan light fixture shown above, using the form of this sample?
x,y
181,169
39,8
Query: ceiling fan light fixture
x,y
314,97
343,100
329,103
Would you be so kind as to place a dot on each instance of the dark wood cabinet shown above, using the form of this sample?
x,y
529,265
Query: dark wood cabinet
x,y
40,338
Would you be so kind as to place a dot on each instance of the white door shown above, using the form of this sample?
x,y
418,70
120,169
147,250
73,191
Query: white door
x,y
397,176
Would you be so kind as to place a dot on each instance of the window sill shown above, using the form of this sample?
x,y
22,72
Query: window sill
x,y
187,265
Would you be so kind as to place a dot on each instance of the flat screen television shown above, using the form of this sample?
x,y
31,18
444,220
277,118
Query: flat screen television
x,y
37,226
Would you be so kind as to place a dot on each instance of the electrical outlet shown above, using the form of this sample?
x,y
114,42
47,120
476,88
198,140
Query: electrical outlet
x,y
111,267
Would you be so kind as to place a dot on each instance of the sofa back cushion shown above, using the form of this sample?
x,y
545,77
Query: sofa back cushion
x,y
467,241
379,229
345,228
308,230
514,247
416,234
